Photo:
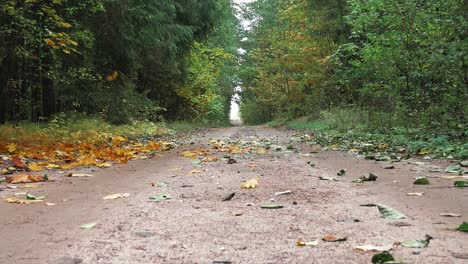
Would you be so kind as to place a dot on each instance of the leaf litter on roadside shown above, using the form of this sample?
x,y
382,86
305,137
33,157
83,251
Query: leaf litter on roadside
x,y
24,178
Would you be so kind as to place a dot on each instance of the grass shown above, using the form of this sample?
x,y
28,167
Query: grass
x,y
355,125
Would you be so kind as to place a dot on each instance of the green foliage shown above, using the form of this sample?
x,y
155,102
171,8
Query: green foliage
x,y
122,60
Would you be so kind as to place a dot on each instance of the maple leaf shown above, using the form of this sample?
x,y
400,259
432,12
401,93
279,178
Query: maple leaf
x,y
250,184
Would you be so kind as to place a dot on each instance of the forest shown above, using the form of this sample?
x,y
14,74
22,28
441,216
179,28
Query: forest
x,y
120,60
374,66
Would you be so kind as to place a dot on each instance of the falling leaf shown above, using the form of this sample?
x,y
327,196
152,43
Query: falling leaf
x,y
116,196
450,215
250,184
35,167
463,227
418,243
415,194
334,238
24,178
88,226
79,175
301,243
271,206
374,248
161,197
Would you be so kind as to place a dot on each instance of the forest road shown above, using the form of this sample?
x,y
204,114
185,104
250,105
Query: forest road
x,y
196,226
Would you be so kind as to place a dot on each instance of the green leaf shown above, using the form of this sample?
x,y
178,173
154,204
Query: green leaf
x,y
196,162
421,181
271,206
463,227
390,213
461,184
382,258
32,197
453,169
161,197
418,243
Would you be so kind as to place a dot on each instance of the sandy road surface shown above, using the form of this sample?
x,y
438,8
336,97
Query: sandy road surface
x,y
195,226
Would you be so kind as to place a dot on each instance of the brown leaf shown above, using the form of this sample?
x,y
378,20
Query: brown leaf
x,y
18,162
24,178
333,238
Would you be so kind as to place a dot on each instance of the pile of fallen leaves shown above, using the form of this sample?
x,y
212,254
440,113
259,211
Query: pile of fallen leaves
x,y
238,147
84,148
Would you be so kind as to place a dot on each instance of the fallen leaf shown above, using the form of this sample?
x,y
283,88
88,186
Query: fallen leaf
x,y
21,200
283,193
33,197
116,196
250,184
421,181
381,258
389,213
194,171
196,162
175,169
50,204
35,167
415,194
324,178
455,177
24,178
450,215
463,227
334,238
461,184
30,186
418,243
160,197
271,206
52,166
228,197
79,175
301,243
453,169
88,226
210,159
374,248
104,165
18,162
252,165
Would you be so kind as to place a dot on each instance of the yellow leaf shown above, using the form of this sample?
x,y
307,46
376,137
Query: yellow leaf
x,y
210,159
79,175
194,171
52,166
189,154
11,147
112,77
64,24
30,186
21,200
250,184
104,165
252,165
66,51
74,43
50,42
35,167
261,151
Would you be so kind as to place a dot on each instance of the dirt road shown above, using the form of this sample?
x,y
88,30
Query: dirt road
x,y
196,226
